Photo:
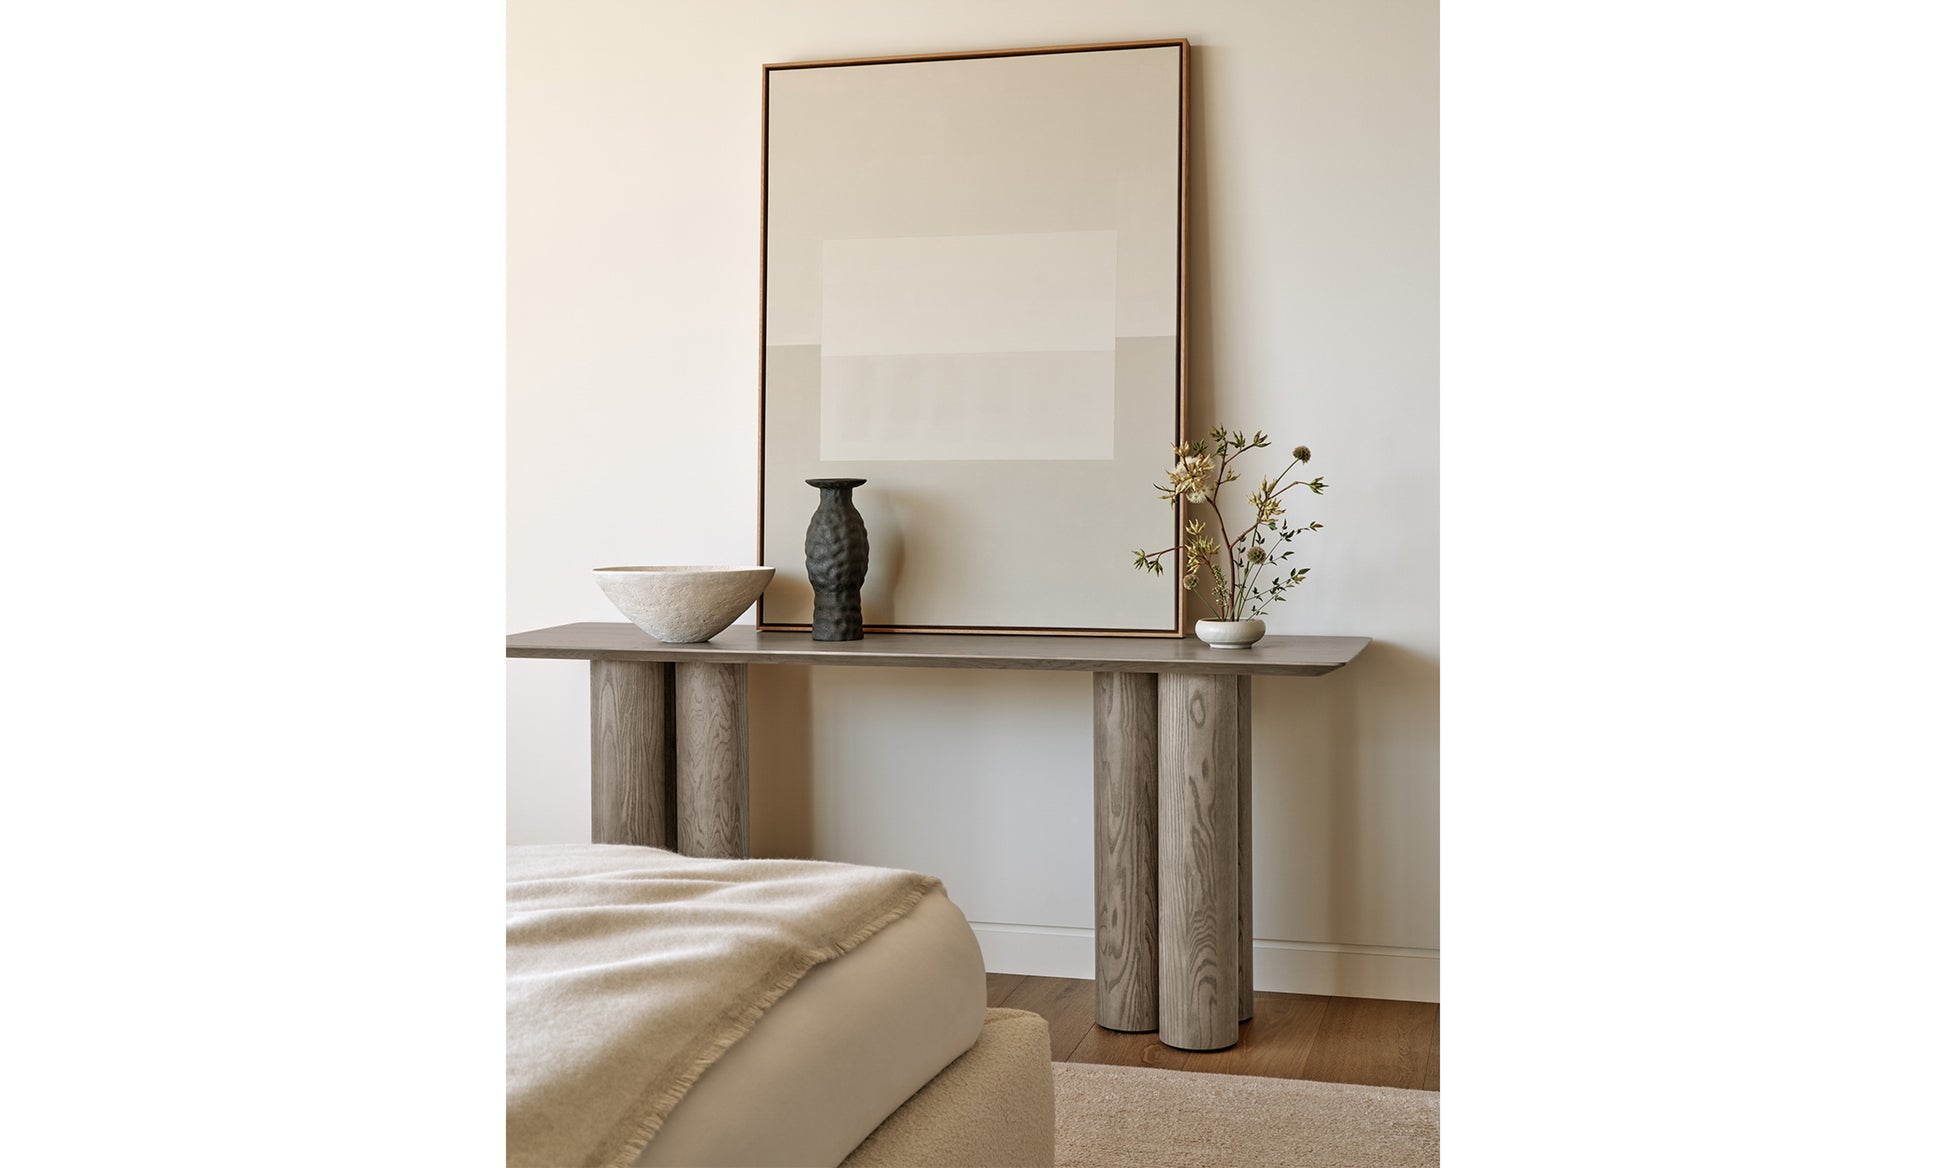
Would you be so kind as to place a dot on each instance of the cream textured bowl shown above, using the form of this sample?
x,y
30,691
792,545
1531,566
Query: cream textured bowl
x,y
680,606
1230,634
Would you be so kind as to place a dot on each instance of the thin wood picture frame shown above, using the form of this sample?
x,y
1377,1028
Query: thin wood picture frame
x,y
973,296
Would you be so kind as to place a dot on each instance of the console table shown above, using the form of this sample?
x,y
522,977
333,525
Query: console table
x,y
1172,780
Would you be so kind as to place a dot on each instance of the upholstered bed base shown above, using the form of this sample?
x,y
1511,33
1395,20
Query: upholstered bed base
x,y
993,1106
666,1010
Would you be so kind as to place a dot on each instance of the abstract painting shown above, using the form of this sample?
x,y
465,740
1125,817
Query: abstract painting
x,y
973,287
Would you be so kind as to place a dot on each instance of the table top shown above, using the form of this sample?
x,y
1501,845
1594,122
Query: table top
x,y
746,645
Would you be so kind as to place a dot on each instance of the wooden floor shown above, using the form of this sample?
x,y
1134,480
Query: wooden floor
x,y
1294,1036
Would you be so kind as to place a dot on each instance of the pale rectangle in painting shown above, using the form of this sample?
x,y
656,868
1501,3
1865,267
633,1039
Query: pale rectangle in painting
x,y
960,406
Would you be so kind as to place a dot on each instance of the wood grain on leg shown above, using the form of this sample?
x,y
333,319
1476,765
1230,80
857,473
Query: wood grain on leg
x,y
1196,721
713,759
1125,850
632,753
1246,877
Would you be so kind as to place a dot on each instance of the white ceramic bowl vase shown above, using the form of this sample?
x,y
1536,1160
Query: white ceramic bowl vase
x,y
1230,634
683,605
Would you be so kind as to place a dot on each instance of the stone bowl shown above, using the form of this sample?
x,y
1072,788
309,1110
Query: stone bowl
x,y
681,606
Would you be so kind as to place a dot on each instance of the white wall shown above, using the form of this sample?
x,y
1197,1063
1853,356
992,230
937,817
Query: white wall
x,y
633,175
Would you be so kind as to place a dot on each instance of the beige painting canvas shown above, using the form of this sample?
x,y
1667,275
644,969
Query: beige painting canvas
x,y
972,300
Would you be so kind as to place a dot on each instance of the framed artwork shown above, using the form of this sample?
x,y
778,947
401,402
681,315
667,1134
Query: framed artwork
x,y
973,272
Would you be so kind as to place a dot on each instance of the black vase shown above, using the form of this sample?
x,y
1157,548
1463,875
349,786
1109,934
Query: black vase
x,y
835,553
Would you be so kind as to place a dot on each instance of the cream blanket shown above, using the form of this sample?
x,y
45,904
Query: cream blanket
x,y
630,970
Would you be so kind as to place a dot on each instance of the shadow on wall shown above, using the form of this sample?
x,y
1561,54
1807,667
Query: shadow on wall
x,y
885,518
1346,787
782,816
1197,309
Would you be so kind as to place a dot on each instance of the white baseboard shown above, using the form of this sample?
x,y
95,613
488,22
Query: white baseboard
x,y
1290,967
1042,950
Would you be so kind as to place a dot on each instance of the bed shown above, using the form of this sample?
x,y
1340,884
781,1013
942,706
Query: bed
x,y
666,1010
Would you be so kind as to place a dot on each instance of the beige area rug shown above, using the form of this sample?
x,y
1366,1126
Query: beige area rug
x,y
1130,1117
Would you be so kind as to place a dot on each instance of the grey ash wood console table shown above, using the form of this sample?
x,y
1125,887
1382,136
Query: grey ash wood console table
x,y
1172,781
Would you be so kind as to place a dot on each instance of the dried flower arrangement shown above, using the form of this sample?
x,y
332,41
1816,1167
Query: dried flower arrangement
x,y
1228,572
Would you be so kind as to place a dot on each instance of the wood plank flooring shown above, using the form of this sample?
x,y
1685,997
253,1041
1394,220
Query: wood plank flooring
x,y
1293,1036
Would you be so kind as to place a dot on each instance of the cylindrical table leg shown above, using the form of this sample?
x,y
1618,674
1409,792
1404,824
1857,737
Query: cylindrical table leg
x,y
1246,923
1125,969
1196,885
712,759
632,757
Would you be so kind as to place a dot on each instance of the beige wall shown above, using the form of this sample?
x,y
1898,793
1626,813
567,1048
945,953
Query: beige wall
x,y
632,208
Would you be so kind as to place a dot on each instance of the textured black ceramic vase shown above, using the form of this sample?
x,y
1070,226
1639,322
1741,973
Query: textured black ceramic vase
x,y
835,553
